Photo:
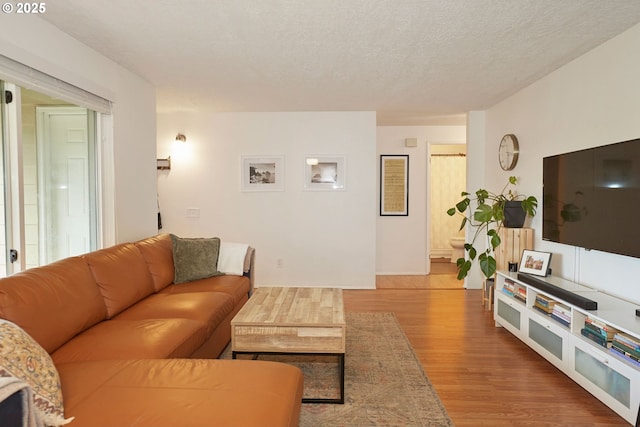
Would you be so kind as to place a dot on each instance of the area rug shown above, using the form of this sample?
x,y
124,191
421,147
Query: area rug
x,y
385,384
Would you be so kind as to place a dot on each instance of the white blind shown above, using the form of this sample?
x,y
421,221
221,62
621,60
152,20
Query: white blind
x,y
30,78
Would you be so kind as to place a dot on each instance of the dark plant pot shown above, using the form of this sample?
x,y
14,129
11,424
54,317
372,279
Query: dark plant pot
x,y
514,215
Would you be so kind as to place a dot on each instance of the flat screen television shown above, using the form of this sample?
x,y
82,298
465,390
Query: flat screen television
x,y
591,198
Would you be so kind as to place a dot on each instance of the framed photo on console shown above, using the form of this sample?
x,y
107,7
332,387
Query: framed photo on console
x,y
536,263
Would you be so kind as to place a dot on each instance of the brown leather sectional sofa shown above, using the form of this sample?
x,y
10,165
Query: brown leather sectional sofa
x,y
133,349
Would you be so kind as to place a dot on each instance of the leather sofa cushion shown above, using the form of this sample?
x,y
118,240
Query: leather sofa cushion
x,y
54,302
158,254
182,392
122,276
135,339
236,286
209,308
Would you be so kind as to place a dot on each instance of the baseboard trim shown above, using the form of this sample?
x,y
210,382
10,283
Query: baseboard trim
x,y
422,273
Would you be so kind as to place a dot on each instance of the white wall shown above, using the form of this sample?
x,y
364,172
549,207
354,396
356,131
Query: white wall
x,y
595,100
36,43
402,241
322,238
478,163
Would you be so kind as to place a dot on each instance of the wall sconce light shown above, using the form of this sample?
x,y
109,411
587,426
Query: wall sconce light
x,y
312,161
180,137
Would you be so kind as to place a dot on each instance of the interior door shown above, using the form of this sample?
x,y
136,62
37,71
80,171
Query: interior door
x,y
64,159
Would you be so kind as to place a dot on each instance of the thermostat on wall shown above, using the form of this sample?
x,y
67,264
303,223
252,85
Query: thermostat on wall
x,y
411,142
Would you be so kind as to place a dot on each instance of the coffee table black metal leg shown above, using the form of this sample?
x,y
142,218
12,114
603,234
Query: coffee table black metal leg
x,y
340,400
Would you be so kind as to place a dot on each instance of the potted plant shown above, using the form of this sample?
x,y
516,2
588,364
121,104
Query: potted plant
x,y
487,215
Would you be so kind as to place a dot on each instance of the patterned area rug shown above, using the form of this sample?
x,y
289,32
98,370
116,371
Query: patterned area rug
x,y
385,384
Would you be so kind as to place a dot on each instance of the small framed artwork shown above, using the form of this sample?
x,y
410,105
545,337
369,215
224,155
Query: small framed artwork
x,y
325,173
394,185
534,262
262,173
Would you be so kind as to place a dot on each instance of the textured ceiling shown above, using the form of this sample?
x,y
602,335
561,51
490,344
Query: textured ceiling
x,y
411,61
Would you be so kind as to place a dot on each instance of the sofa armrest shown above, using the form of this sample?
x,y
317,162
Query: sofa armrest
x,y
249,267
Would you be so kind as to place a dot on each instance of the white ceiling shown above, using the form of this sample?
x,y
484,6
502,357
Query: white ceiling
x,y
412,61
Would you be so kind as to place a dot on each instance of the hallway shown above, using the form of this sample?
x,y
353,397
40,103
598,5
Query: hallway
x,y
443,276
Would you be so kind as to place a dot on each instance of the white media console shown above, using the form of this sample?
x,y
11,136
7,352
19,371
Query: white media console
x,y
555,317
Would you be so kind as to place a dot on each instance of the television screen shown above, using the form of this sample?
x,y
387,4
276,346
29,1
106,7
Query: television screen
x,y
591,198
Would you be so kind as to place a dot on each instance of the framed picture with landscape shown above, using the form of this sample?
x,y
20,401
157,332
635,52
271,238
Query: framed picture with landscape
x,y
325,173
262,173
534,262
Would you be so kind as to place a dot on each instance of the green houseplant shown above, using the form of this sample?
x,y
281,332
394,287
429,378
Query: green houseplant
x,y
486,213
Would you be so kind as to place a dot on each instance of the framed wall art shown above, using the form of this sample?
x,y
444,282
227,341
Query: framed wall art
x,y
394,185
262,173
534,262
325,173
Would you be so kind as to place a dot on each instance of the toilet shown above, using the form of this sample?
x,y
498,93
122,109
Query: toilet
x,y
457,243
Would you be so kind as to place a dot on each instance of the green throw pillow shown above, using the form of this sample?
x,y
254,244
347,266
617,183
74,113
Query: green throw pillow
x,y
195,258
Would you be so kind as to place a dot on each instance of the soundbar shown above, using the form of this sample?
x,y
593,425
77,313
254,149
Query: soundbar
x,y
568,296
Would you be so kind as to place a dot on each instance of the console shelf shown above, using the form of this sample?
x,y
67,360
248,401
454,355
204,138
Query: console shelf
x,y
598,349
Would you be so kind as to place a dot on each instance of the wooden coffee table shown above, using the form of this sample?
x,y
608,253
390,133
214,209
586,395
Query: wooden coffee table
x,y
304,321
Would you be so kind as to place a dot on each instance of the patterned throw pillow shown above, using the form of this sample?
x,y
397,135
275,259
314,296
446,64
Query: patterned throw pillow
x,y
22,357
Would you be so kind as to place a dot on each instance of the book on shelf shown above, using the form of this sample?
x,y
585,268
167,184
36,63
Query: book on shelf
x,y
561,308
507,291
624,347
628,340
508,287
561,316
560,312
624,356
545,300
544,304
562,320
520,292
600,328
593,336
595,330
542,308
519,296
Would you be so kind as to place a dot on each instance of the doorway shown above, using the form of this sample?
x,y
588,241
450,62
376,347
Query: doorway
x,y
49,176
65,159
447,177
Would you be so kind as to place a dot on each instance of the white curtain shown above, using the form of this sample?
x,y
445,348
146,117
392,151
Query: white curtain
x,y
448,180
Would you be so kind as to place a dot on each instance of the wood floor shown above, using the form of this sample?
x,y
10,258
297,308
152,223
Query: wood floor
x,y
441,277
483,374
